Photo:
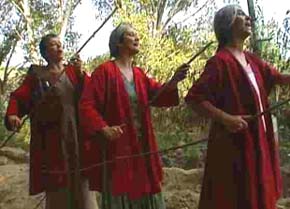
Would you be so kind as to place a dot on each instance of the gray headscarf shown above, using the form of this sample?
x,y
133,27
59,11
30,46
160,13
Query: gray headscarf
x,y
223,21
117,37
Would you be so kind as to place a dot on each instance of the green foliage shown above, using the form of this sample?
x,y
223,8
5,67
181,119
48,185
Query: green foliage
x,y
178,126
91,64
3,132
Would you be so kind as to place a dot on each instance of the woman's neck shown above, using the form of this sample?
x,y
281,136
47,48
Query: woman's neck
x,y
55,66
236,48
124,62
236,45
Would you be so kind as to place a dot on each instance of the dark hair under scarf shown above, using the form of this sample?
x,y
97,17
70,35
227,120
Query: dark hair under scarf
x,y
116,37
223,21
43,43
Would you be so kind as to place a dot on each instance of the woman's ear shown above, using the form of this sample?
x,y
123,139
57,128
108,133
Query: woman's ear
x,y
120,44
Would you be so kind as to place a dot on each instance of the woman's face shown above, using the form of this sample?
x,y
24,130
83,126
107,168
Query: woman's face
x,y
54,50
130,42
241,27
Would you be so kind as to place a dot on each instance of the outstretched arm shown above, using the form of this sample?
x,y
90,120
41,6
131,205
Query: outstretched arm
x,y
163,93
283,80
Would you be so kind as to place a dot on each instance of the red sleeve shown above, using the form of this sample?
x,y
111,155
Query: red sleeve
x,y
206,87
21,96
20,99
165,98
92,103
271,75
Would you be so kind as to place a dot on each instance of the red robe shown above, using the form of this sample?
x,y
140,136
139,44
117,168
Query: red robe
x,y
106,102
242,169
45,146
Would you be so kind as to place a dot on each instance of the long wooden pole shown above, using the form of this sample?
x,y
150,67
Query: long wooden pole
x,y
96,31
188,62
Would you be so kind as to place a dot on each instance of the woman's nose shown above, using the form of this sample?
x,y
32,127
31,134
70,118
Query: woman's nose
x,y
136,38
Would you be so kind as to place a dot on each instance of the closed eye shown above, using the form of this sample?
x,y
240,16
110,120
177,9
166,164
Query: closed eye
x,y
241,13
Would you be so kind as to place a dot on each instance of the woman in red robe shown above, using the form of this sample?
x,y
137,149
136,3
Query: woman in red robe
x,y
49,94
242,167
116,121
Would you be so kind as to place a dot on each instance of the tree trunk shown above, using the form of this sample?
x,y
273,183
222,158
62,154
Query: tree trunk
x,y
254,38
31,39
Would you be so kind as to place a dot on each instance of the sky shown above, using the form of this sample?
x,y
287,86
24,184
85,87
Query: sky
x,y
99,44
86,24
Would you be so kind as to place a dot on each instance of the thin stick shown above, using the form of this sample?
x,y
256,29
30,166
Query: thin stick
x,y
188,62
40,201
13,133
94,33
270,109
199,52
125,157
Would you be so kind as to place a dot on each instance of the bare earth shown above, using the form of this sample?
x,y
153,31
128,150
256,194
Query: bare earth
x,y
181,187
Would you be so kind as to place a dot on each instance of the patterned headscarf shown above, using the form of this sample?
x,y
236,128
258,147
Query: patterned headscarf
x,y
223,22
117,37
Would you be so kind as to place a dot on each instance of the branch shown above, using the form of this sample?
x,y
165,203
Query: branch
x,y
13,133
170,16
19,9
17,66
160,12
264,39
69,8
6,73
206,3
18,34
76,4
65,11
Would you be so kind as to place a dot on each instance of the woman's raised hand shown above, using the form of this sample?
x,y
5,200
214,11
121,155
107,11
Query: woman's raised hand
x,y
77,63
180,73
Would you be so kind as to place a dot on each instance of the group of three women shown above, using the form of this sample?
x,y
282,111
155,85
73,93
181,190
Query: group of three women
x,y
78,122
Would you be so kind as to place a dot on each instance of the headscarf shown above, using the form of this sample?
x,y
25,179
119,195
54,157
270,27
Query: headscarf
x,y
116,37
223,21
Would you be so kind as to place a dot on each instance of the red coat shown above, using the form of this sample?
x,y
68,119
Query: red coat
x,y
45,146
105,102
242,169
